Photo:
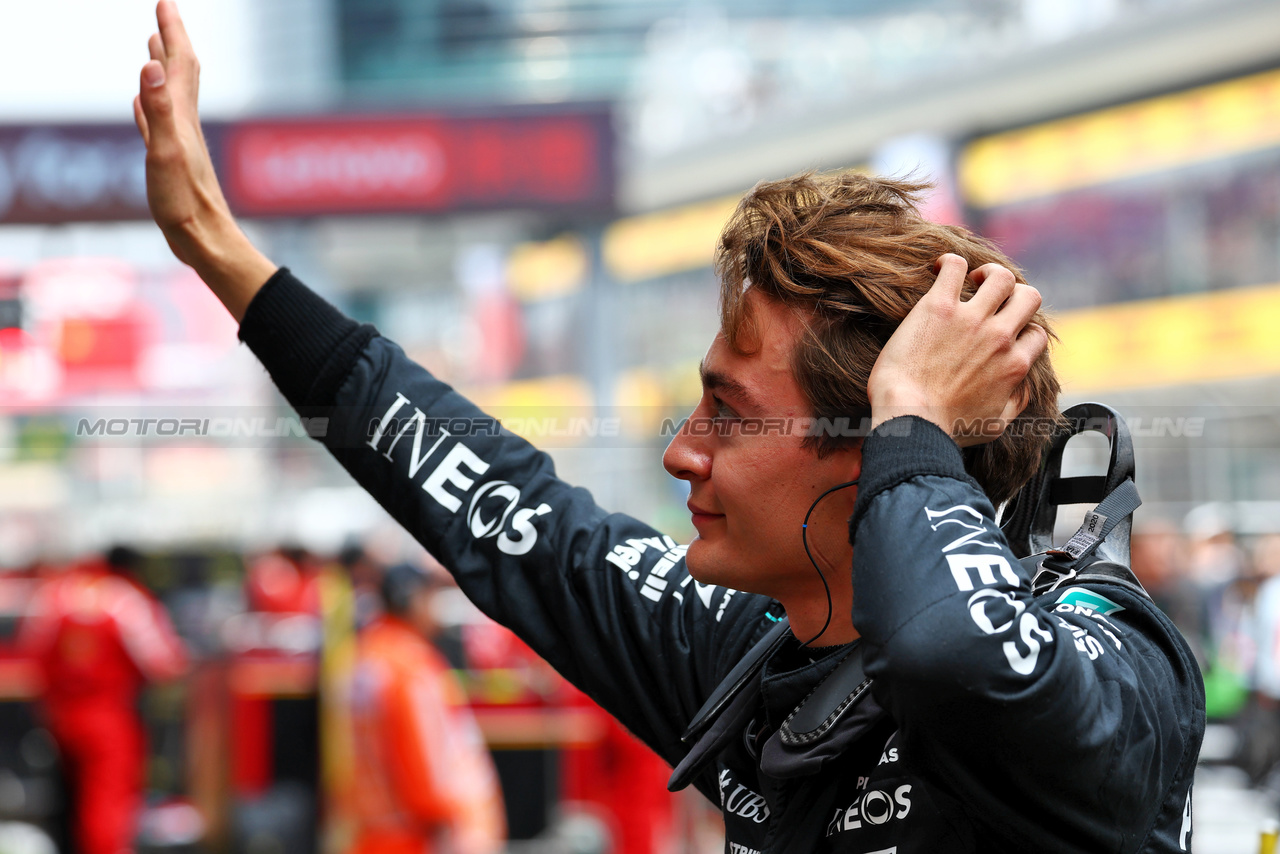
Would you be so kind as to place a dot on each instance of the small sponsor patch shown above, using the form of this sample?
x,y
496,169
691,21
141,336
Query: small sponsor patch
x,y
1095,602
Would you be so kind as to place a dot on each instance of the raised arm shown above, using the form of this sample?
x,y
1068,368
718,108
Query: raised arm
x,y
182,188
603,597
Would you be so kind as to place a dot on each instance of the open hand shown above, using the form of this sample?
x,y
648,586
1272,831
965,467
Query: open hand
x,y
961,363
182,187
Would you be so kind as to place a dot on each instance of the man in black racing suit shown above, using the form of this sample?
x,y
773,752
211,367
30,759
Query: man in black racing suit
x,y
968,714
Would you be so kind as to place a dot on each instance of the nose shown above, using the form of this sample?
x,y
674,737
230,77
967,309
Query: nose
x,y
687,457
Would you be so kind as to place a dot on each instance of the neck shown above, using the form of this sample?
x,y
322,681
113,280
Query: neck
x,y
807,616
809,604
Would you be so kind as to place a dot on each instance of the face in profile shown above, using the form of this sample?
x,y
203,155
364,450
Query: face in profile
x,y
751,478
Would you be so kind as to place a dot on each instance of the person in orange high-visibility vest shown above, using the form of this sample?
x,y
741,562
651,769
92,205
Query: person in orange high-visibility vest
x,y
99,636
424,782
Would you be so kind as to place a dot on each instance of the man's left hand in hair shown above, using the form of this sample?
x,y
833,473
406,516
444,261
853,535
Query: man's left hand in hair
x,y
960,363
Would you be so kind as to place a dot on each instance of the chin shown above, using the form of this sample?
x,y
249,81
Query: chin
x,y
693,557
702,564
708,567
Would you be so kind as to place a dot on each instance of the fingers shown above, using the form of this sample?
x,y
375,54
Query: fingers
x,y
172,47
173,35
951,272
988,271
1031,342
153,77
156,107
995,285
140,119
1020,307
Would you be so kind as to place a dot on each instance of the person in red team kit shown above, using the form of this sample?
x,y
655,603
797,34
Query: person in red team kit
x,y
99,637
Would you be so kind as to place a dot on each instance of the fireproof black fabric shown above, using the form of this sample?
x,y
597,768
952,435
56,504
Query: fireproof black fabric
x,y
1068,722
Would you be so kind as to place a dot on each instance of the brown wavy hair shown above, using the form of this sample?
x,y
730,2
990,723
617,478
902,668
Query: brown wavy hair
x,y
851,254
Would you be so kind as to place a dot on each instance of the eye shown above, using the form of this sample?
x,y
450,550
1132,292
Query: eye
x,y
723,410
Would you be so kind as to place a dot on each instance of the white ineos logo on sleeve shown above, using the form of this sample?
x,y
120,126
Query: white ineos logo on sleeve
x,y
493,510
978,610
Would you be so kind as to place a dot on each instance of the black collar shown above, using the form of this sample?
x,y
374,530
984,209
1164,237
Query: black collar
x,y
836,712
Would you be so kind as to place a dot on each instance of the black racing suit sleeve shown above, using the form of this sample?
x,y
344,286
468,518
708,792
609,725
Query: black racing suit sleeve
x,y
604,598
1067,721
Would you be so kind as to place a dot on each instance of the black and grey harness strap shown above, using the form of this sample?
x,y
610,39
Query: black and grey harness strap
x,y
1113,509
1070,561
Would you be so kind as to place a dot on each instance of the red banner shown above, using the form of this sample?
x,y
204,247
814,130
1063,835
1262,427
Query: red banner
x,y
283,169
427,164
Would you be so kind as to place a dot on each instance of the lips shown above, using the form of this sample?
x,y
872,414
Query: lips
x,y
701,514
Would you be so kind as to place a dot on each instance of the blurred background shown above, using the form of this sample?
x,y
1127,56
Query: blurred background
x,y
525,194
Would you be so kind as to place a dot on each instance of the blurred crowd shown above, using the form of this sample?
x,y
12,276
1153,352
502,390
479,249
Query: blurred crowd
x,y
1223,591
294,702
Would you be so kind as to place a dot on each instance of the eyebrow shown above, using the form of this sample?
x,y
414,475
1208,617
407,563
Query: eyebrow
x,y
726,385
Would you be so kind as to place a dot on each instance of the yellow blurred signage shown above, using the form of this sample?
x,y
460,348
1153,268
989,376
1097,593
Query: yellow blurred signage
x,y
1212,336
548,411
1148,136
549,269
659,244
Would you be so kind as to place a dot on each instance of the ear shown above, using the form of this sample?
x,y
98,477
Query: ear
x,y
848,462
